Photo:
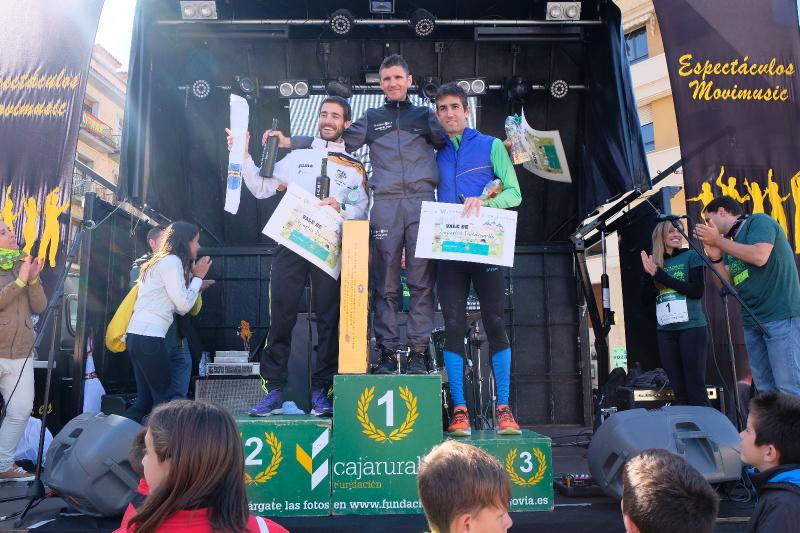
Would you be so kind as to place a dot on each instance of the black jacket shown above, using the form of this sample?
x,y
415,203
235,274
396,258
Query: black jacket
x,y
778,506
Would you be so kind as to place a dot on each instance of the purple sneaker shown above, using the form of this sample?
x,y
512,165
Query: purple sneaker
x,y
271,404
320,403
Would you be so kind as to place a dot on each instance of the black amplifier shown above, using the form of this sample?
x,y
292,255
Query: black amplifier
x,y
637,398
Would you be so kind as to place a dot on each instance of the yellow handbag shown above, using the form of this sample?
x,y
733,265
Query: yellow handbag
x,y
118,327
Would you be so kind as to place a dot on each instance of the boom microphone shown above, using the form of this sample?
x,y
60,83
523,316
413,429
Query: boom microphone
x,y
662,218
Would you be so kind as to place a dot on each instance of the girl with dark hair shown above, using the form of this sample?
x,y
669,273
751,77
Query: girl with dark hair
x,y
674,278
194,469
168,284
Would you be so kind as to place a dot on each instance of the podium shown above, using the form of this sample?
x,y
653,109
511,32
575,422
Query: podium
x,y
384,426
287,464
527,460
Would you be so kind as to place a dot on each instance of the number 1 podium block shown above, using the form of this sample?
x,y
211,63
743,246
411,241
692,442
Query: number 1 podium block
x,y
528,461
384,426
287,464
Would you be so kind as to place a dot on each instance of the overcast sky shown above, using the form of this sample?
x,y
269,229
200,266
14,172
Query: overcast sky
x,y
116,27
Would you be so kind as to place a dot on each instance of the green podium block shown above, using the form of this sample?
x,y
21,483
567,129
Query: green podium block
x,y
287,464
383,426
528,461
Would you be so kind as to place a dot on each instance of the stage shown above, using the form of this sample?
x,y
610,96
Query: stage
x,y
573,514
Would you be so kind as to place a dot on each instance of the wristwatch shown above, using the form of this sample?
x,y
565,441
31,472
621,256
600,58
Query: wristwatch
x,y
716,261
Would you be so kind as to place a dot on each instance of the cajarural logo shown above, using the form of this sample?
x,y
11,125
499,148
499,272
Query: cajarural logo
x,y
307,461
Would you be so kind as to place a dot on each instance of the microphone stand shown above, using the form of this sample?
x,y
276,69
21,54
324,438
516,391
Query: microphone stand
x,y
726,290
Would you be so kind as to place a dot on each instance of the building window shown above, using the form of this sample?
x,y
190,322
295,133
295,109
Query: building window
x,y
648,137
636,45
90,106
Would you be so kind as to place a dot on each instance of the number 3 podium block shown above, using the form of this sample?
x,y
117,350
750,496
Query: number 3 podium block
x,y
527,459
287,464
384,426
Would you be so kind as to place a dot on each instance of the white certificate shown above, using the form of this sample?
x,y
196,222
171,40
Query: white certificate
x,y
312,231
486,238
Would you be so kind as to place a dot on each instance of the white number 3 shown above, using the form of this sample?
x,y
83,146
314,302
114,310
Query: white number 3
x,y
527,465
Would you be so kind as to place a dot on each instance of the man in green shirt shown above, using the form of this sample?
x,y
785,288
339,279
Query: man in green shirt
x,y
469,167
753,253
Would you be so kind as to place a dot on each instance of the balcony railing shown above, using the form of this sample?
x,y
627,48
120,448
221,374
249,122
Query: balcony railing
x,y
100,130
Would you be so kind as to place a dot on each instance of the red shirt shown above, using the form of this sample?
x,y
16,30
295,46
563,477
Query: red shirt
x,y
195,521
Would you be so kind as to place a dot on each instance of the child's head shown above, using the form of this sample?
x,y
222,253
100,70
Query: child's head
x,y
136,454
463,488
662,493
193,460
772,435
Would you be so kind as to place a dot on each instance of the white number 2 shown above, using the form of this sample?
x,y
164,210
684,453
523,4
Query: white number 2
x,y
388,399
251,459
527,465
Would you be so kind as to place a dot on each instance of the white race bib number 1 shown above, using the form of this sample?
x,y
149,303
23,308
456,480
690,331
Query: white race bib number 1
x,y
671,308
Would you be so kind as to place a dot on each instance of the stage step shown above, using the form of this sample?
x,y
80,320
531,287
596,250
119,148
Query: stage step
x,y
384,426
287,464
528,461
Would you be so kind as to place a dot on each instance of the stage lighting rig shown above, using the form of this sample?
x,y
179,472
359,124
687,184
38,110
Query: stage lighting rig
x,y
569,11
383,7
198,10
293,88
201,89
247,85
473,86
559,89
342,22
423,22
518,88
429,87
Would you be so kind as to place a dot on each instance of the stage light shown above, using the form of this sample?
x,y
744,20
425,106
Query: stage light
x,y
339,87
342,21
423,22
559,89
201,89
246,85
378,6
198,10
563,11
293,89
518,88
429,87
473,86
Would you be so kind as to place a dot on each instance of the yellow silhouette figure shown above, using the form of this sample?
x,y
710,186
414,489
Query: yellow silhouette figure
x,y
756,194
29,229
8,210
795,181
730,188
50,234
776,201
705,195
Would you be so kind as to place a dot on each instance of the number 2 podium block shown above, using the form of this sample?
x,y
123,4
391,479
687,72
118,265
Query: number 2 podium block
x,y
384,426
287,464
528,461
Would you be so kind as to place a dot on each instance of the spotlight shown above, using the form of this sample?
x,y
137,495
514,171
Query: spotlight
x,y
518,88
559,89
429,87
198,10
201,89
423,22
342,21
339,87
247,85
377,6
473,86
293,89
563,11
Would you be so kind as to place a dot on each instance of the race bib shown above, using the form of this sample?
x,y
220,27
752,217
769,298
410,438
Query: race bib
x,y
671,308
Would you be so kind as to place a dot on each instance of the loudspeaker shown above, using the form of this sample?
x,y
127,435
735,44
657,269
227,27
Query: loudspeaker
x,y
87,463
701,435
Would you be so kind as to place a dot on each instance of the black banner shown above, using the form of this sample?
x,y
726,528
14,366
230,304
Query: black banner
x,y
45,48
733,67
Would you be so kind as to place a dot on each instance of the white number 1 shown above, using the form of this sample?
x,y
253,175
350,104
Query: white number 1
x,y
388,399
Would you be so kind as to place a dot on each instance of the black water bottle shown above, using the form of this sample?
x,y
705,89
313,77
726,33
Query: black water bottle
x,y
269,153
323,186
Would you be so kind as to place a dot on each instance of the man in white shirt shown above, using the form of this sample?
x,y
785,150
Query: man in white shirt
x,y
289,271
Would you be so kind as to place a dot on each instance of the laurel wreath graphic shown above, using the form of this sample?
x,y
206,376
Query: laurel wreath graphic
x,y
377,434
534,479
265,475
